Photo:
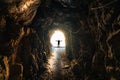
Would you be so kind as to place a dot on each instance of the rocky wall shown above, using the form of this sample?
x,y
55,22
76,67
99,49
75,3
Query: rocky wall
x,y
21,51
94,27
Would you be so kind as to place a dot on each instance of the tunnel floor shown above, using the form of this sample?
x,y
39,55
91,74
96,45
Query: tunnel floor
x,y
58,67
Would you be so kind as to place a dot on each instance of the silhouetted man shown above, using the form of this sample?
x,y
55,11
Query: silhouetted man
x,y
58,42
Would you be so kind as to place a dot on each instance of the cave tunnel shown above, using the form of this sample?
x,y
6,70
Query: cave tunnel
x,y
59,40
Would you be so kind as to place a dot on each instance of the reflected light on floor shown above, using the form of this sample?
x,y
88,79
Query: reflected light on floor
x,y
57,52
55,59
58,35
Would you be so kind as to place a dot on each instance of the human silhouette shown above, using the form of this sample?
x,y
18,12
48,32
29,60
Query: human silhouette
x,y
58,42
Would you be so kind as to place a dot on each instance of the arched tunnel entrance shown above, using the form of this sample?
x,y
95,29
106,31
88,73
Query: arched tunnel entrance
x,y
58,39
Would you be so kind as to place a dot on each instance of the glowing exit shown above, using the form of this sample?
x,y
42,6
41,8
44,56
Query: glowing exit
x,y
58,39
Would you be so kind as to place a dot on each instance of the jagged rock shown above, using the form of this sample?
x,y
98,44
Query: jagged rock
x,y
22,12
92,29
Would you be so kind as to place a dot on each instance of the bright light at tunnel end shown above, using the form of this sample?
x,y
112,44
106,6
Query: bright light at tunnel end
x,y
57,35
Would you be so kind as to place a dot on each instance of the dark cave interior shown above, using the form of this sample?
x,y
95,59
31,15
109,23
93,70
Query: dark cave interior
x,y
92,34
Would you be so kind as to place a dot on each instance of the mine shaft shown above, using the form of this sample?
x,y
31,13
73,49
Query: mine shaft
x,y
59,40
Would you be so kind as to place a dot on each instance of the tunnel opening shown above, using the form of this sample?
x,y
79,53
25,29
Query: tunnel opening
x,y
58,39
61,38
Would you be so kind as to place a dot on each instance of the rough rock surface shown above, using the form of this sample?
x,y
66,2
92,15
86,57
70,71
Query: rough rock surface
x,y
92,27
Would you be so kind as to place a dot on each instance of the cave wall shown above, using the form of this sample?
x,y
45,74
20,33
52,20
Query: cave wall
x,y
105,25
22,53
94,29
95,42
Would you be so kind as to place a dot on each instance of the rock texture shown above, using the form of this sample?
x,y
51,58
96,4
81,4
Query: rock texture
x,y
107,27
21,49
92,28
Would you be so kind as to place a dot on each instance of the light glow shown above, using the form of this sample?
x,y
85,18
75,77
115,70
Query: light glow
x,y
58,35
